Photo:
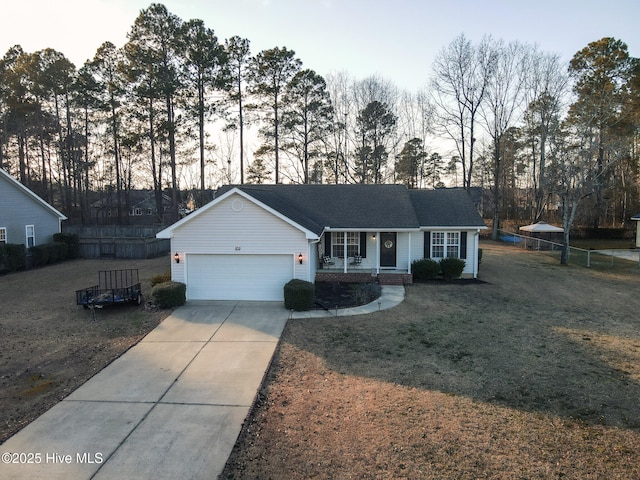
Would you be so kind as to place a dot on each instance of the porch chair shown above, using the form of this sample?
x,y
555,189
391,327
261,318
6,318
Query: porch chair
x,y
327,260
357,260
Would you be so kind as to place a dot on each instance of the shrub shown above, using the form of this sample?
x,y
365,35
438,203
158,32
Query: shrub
x,y
169,294
72,241
39,255
452,267
12,257
425,269
58,251
299,295
161,278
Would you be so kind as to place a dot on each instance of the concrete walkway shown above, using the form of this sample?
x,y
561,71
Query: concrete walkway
x,y
170,407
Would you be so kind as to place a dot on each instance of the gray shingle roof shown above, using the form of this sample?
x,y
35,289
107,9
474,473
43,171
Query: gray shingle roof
x,y
366,207
445,207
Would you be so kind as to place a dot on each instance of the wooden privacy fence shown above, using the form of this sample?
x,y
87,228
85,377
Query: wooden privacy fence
x,y
119,241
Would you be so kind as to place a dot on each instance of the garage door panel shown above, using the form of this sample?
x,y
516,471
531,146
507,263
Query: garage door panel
x,y
238,277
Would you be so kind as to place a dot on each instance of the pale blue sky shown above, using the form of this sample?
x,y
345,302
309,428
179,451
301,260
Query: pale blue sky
x,y
396,39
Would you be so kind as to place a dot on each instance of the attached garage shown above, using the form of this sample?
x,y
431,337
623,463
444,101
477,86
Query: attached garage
x,y
237,277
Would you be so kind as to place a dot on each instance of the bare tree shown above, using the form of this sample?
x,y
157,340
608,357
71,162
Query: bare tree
x,y
239,56
337,163
461,74
546,89
501,109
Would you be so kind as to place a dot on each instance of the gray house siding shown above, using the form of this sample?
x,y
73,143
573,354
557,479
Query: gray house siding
x,y
20,208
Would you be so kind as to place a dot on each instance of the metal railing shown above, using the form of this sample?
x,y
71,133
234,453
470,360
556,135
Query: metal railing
x,y
578,256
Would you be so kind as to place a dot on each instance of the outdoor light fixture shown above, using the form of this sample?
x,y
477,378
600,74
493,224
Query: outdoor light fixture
x,y
176,257
300,258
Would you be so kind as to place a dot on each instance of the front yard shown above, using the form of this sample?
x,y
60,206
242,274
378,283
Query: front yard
x,y
533,374
49,346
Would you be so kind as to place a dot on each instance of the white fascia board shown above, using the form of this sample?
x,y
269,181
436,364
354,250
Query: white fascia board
x,y
372,230
455,228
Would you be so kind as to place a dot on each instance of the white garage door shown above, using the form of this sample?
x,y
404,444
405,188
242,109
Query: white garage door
x,y
238,277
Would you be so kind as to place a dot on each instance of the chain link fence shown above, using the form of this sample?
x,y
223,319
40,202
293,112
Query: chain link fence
x,y
610,258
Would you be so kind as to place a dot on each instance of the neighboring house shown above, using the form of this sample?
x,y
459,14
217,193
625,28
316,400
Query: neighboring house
x,y
252,239
141,210
24,217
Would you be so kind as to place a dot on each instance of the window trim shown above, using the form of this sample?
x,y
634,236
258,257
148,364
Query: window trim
x,y
3,234
32,236
446,243
337,244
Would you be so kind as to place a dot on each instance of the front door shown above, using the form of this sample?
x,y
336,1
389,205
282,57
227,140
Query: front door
x,y
388,249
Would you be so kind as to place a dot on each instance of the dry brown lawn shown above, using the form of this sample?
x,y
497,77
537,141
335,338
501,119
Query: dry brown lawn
x,y
534,374
49,346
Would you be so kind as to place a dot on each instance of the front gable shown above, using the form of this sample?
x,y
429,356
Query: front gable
x,y
233,208
236,224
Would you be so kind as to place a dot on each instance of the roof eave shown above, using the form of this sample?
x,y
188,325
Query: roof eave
x,y
60,215
167,232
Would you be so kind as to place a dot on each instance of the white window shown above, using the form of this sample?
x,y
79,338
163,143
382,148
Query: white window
x,y
437,245
453,244
445,244
353,244
31,236
3,234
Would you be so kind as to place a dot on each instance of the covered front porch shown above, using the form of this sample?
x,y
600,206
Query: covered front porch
x,y
365,256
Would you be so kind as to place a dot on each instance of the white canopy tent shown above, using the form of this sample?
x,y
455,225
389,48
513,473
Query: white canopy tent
x,y
636,218
541,227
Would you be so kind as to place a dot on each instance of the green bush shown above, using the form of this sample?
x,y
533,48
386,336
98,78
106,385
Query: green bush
x,y
12,257
72,241
425,269
169,294
299,295
161,278
58,251
452,267
39,255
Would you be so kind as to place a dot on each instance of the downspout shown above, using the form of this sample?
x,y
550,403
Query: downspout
x,y
309,258
476,244
409,255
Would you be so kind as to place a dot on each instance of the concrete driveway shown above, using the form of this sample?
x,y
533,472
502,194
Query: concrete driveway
x,y
171,407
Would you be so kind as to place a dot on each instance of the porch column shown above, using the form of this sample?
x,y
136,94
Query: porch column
x,y
409,254
344,253
377,253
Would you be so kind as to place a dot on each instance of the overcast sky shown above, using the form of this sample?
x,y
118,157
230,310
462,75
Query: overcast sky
x,y
396,39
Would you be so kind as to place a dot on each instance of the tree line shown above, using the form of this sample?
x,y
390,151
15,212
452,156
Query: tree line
x,y
172,111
